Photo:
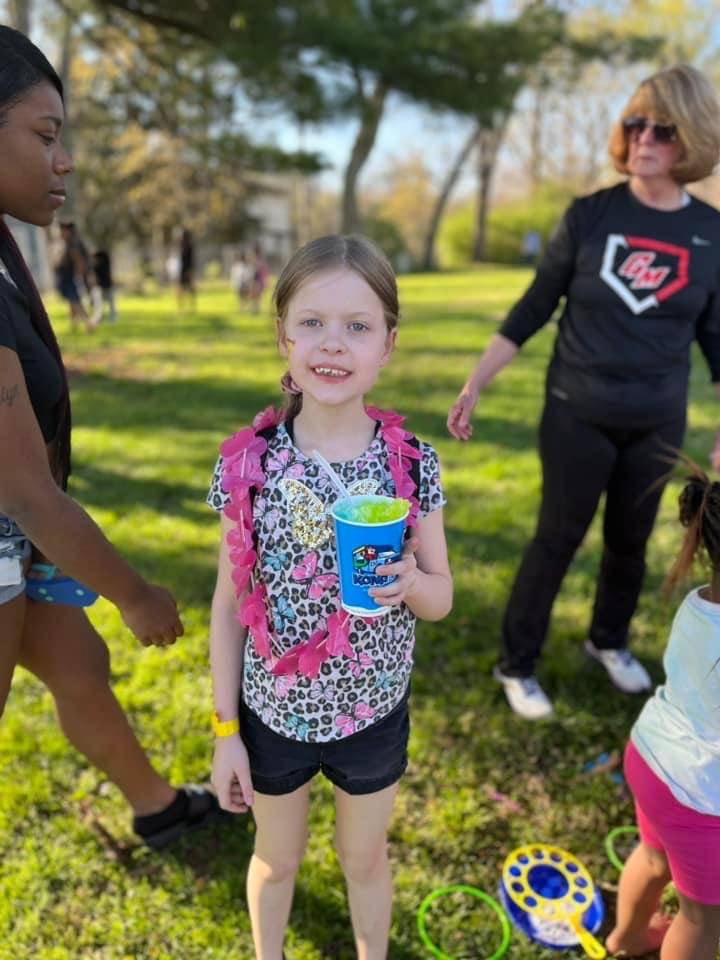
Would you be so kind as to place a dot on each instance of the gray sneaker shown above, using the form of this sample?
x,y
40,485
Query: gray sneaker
x,y
627,674
525,696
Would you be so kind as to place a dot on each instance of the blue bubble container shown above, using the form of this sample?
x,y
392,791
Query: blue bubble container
x,y
51,588
556,936
361,547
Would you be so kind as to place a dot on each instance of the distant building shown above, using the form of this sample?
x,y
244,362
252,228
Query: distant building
x,y
272,208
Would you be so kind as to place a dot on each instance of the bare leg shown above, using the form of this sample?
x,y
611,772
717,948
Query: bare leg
x,y
638,927
694,933
61,647
12,615
112,307
361,842
96,299
78,315
280,842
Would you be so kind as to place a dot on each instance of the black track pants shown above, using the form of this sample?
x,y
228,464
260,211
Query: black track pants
x,y
580,461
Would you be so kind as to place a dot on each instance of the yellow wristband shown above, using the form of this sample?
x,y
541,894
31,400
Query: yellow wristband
x,y
224,728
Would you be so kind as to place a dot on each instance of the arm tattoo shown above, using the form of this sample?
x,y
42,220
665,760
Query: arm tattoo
x,y
8,395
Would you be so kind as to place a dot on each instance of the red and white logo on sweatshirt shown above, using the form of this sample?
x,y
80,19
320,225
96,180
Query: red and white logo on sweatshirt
x,y
644,272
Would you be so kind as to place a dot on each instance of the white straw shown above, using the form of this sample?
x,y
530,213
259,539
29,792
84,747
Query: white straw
x,y
337,482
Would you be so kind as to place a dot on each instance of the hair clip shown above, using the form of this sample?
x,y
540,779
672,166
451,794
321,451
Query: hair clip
x,y
288,385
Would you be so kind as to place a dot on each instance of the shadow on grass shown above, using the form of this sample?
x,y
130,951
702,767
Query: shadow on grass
x,y
115,402
113,489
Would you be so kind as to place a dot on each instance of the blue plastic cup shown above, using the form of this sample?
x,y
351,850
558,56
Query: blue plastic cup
x,y
361,547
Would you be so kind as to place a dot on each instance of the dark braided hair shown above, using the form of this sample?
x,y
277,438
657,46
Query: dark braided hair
x,y
699,504
22,67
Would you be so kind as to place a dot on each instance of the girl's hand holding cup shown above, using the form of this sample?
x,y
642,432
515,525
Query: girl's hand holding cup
x,y
405,569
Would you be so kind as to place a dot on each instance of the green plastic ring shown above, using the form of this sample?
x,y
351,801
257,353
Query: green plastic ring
x,y
474,892
610,845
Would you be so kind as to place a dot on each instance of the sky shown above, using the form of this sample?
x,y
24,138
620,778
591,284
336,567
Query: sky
x,y
404,127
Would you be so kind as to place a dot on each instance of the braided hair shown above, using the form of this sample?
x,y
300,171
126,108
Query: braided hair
x,y
699,509
22,67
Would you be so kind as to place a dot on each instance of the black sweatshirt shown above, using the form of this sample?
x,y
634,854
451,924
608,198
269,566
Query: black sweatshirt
x,y
640,285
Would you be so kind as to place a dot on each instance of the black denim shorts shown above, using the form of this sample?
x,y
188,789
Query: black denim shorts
x,y
364,762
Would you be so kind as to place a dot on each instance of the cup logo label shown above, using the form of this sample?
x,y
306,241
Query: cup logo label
x,y
366,559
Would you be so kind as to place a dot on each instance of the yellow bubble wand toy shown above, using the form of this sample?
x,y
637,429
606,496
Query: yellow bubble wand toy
x,y
549,883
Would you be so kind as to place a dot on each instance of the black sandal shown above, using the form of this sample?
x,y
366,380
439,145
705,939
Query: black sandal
x,y
192,808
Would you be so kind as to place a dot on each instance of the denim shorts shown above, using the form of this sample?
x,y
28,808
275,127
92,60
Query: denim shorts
x,y
15,553
67,288
362,763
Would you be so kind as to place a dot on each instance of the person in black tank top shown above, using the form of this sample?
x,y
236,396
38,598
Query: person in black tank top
x,y
37,517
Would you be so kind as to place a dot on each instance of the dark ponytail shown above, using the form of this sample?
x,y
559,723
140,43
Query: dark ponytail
x,y
699,513
23,66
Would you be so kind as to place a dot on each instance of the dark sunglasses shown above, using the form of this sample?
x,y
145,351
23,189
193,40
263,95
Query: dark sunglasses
x,y
662,132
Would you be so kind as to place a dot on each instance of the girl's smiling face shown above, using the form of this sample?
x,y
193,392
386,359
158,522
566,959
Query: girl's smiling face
x,y
33,162
335,337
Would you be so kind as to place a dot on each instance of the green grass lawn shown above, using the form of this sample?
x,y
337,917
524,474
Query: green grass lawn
x,y
153,396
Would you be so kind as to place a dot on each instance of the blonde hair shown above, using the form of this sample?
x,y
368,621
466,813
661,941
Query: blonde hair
x,y
353,252
682,96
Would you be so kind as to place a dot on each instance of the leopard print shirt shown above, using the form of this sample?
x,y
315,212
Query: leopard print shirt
x,y
298,567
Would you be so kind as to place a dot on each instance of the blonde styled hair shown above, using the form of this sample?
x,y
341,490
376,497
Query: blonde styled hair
x,y
332,252
682,96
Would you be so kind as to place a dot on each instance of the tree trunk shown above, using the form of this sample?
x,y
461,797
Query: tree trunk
x,y
19,15
66,56
489,141
428,259
537,155
371,111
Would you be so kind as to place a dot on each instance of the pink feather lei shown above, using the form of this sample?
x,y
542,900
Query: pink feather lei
x,y
243,472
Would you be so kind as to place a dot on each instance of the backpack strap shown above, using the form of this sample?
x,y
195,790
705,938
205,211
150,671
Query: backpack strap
x,y
415,464
267,434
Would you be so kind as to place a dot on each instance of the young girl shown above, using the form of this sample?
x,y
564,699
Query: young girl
x,y
308,687
672,764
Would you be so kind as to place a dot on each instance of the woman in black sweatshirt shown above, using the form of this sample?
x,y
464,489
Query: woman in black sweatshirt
x,y
639,267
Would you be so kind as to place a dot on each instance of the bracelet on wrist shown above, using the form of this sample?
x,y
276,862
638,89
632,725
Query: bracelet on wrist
x,y
224,728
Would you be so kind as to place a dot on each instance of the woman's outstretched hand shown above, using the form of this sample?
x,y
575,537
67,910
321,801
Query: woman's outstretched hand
x,y
458,421
153,617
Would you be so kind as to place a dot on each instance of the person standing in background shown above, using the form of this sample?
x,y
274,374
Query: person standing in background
x,y
71,275
637,264
186,279
102,291
261,272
